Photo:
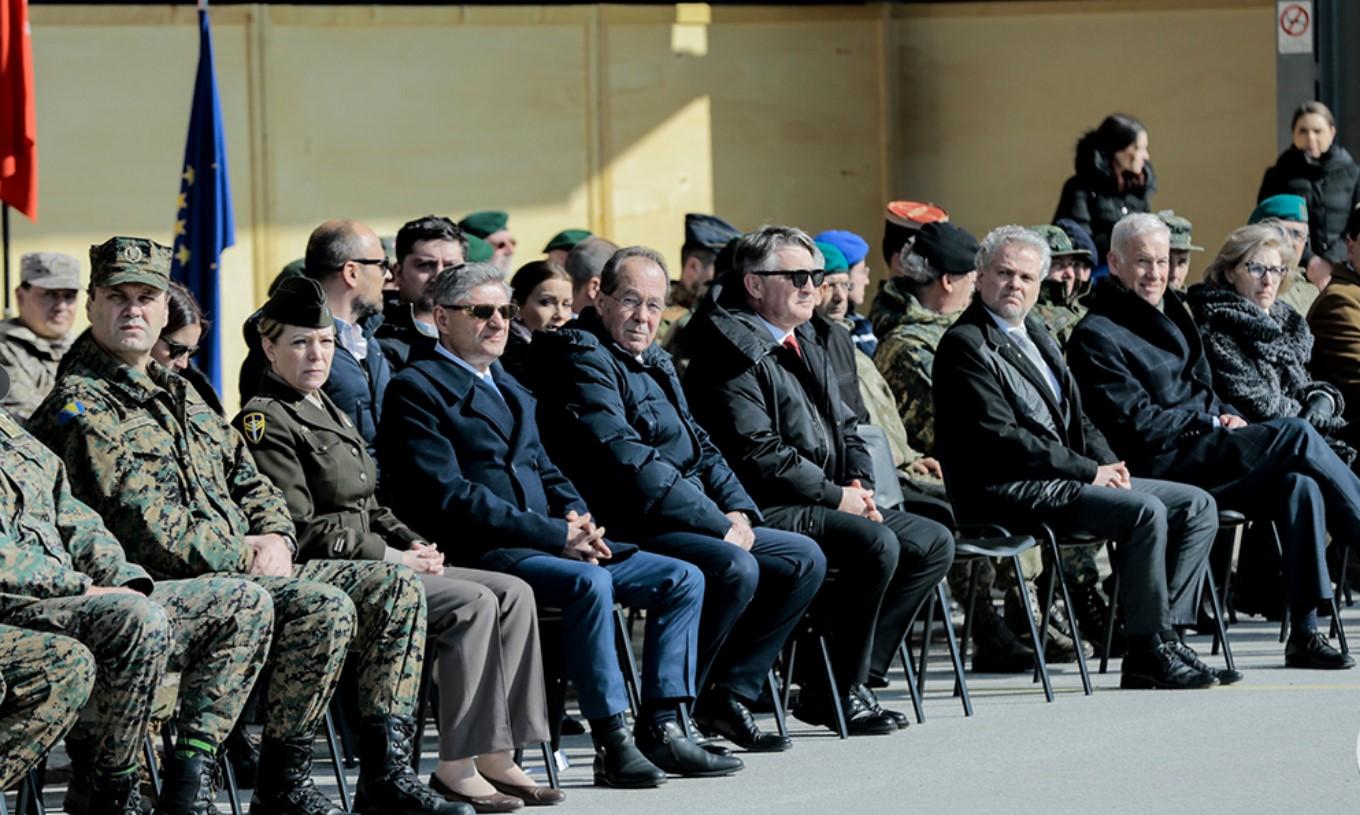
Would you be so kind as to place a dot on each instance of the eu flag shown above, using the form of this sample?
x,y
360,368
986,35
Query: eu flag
x,y
203,224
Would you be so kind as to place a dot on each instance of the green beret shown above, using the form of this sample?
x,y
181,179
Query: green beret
x,y
833,259
130,260
485,223
1180,231
298,301
1059,242
297,268
1284,207
567,239
478,250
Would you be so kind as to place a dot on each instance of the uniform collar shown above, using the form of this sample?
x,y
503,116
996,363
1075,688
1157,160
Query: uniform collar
x,y
139,386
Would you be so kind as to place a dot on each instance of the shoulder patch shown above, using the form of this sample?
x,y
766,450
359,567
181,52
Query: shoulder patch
x,y
253,423
69,411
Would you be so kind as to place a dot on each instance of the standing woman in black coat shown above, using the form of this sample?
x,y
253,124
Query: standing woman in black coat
x,y
1324,174
1113,178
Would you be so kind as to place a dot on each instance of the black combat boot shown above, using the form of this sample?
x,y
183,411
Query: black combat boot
x,y
188,785
284,784
114,794
243,751
387,784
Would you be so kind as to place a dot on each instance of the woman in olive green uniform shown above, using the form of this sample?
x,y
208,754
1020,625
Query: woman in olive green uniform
x,y
484,624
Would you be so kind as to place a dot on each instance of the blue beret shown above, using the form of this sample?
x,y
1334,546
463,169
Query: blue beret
x,y
851,245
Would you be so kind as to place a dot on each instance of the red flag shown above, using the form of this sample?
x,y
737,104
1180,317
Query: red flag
x,y
18,115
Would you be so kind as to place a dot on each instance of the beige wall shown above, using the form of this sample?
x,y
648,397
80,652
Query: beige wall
x,y
624,118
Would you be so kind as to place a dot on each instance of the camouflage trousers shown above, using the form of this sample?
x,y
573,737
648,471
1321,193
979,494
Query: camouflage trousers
x,y
45,680
1078,565
213,631
369,611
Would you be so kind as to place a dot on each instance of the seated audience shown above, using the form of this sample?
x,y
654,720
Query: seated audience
x,y
761,383
422,248
612,412
32,343
492,227
1335,322
176,484
1258,347
1182,245
541,291
1017,447
1148,384
1289,214
185,325
855,250
584,263
45,679
903,220
461,446
1060,293
561,244
705,237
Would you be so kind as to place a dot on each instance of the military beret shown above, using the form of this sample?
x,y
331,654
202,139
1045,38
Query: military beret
x,y
832,258
1081,239
566,239
298,301
478,250
1059,244
903,219
949,249
484,223
1180,231
852,246
708,231
49,270
297,268
130,260
1284,207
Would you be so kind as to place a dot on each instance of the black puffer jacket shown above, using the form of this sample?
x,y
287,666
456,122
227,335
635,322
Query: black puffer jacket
x,y
1329,185
1092,196
1260,359
779,421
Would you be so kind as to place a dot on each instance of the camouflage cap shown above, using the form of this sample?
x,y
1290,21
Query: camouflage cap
x,y
1059,243
1180,231
49,270
130,260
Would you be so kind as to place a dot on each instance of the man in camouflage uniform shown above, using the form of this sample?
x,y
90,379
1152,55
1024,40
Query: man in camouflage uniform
x,y
1060,295
1181,247
705,237
45,680
902,222
175,481
31,345
61,572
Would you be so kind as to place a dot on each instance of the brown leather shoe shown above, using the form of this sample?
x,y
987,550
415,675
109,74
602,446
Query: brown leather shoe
x,y
532,795
495,802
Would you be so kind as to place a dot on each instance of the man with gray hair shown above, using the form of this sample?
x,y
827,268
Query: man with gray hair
x,y
584,263
1141,364
761,383
1017,447
32,344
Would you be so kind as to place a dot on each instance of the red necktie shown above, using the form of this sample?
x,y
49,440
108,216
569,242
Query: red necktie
x,y
791,342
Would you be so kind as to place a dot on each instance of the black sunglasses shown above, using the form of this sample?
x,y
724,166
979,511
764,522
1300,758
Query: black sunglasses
x,y
179,349
509,311
798,277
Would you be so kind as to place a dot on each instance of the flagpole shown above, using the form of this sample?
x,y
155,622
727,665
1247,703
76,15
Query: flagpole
x,y
4,230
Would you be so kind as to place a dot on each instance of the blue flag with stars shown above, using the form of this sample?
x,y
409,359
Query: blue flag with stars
x,y
203,224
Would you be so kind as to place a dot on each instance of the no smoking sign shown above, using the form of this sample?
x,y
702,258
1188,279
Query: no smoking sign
x,y
1294,26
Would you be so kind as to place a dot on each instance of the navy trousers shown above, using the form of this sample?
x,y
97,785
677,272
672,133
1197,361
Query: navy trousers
x,y
671,591
752,600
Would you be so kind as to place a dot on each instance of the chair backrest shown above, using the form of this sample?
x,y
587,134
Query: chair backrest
x,y
887,489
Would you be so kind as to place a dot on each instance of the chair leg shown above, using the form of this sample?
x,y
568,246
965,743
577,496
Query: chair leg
x,y
925,647
1337,629
422,705
683,715
788,670
780,723
29,799
333,744
1082,668
904,653
974,570
1033,627
152,768
1220,630
629,660
550,765
959,681
1228,605
229,783
841,729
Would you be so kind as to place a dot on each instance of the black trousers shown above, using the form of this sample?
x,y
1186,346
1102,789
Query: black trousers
x,y
885,571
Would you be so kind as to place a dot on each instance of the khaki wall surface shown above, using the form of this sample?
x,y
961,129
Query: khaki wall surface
x,y
621,119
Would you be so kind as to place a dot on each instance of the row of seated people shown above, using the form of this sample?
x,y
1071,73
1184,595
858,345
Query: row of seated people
x,y
466,468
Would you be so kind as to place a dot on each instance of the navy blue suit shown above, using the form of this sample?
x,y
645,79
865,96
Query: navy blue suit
x,y
464,465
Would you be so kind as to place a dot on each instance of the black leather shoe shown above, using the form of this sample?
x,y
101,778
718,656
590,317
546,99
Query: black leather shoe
x,y
1314,652
870,700
666,746
705,739
1189,657
721,713
1160,667
188,786
619,763
859,719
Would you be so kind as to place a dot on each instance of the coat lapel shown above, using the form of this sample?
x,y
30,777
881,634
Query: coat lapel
x,y
1010,352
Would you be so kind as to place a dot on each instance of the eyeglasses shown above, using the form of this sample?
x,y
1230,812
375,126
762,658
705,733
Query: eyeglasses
x,y
631,303
179,350
798,277
1260,270
384,263
509,311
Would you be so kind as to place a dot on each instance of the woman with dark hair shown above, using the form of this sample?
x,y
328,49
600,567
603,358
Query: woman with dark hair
x,y
542,291
1324,174
1258,346
185,325
1113,178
